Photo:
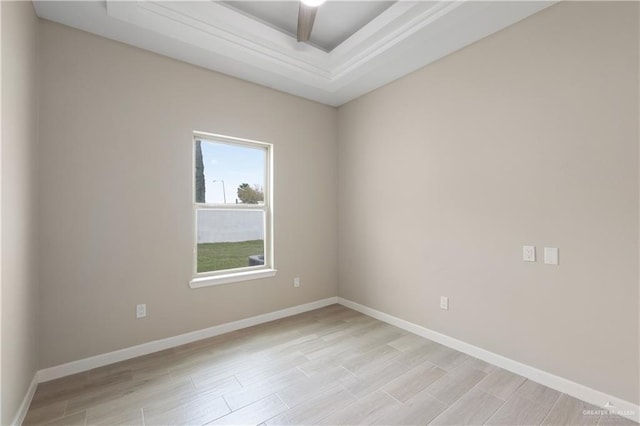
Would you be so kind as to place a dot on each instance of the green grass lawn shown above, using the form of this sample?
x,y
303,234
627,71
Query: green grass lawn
x,y
219,256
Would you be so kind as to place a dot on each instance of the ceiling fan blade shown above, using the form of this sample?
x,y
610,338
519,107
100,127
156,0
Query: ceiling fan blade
x,y
306,16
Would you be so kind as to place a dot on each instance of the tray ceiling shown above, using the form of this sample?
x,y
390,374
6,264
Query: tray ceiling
x,y
356,46
335,21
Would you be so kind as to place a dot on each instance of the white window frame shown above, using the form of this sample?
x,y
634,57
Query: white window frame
x,y
205,279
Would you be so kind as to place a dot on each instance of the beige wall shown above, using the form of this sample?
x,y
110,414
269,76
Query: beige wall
x,y
115,187
527,137
19,315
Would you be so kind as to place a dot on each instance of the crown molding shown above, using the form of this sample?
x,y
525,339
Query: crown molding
x,y
396,24
211,26
406,36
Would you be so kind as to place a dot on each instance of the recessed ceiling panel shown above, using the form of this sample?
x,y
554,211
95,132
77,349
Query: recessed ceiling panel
x,y
391,39
335,21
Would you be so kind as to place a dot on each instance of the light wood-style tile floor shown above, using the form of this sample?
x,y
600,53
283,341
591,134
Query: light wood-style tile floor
x,y
332,366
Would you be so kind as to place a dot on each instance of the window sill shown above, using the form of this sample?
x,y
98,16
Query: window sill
x,y
231,278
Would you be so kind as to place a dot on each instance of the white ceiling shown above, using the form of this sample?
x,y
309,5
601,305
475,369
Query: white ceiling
x,y
391,39
335,21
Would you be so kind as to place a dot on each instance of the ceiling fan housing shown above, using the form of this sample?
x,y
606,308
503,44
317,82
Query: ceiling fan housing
x,y
306,17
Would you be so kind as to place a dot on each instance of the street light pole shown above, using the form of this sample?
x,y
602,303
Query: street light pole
x,y
224,191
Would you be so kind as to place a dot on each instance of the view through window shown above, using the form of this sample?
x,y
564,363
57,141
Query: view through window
x,y
231,205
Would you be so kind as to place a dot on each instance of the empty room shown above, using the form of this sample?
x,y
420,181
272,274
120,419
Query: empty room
x,y
319,212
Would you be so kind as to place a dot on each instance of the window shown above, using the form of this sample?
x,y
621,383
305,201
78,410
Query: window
x,y
232,210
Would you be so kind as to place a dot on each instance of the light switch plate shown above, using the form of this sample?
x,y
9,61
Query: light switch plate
x,y
141,310
444,302
529,253
551,255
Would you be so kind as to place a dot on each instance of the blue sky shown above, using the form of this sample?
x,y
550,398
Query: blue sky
x,y
233,164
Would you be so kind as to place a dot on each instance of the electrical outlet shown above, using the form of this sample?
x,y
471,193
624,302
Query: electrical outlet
x,y
296,282
529,253
444,303
141,311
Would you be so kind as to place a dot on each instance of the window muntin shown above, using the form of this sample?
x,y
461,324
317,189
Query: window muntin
x,y
232,205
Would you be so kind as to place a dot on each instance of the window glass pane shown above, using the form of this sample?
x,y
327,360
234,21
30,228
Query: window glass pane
x,y
229,174
229,239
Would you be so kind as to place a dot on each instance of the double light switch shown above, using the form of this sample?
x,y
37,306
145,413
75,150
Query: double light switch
x,y
550,254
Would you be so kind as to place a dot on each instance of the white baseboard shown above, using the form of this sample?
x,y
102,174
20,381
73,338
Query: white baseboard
x,y
576,390
26,402
585,393
86,364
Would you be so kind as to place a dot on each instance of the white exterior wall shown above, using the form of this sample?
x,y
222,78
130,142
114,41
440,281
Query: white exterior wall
x,y
215,226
